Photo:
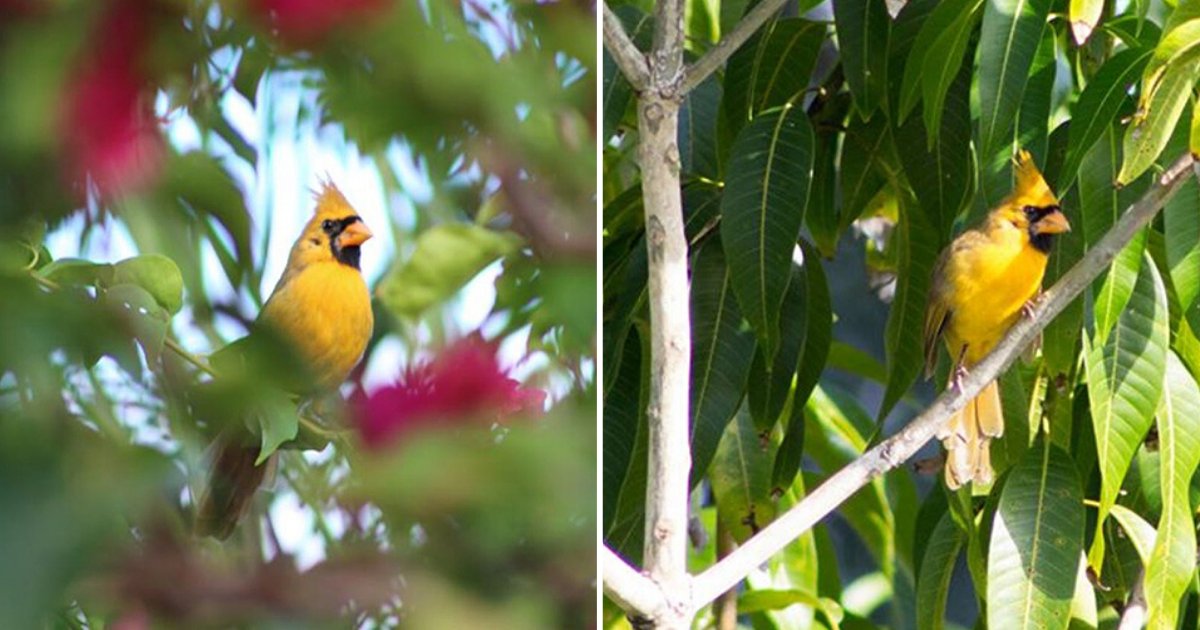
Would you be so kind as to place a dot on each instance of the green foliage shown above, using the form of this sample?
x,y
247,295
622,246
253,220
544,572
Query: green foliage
x,y
870,139
164,151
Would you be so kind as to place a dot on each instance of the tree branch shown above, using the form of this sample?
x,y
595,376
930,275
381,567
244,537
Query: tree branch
x,y
629,59
719,54
1134,615
895,450
631,590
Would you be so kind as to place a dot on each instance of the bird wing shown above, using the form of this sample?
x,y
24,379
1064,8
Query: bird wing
x,y
941,291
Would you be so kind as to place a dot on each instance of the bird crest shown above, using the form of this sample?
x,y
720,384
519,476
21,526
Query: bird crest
x,y
330,200
1031,189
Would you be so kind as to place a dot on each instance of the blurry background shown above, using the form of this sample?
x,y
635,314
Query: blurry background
x,y
157,160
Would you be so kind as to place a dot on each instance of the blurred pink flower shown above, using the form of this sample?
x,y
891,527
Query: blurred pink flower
x,y
108,126
304,23
464,382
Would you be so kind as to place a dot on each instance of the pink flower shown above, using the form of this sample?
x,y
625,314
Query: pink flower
x,y
108,125
464,382
304,23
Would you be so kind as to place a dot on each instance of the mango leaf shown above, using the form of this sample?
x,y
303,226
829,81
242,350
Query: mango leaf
x,y
445,258
1060,338
860,176
1036,541
1031,128
1098,107
939,34
818,333
918,251
770,383
698,154
624,416
1124,375
741,480
762,211
1084,16
1179,45
1135,528
76,271
155,273
1155,120
937,567
1181,229
943,62
942,174
722,351
821,215
1173,561
768,70
1011,33
862,30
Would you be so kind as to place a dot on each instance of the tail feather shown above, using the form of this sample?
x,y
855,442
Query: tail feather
x,y
967,439
231,486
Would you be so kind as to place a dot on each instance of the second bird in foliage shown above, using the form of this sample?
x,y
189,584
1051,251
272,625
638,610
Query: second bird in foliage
x,y
981,283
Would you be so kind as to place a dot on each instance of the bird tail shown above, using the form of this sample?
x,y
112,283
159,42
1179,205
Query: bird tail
x,y
231,486
967,438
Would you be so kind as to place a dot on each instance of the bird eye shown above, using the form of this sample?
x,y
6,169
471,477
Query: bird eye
x,y
1030,212
327,225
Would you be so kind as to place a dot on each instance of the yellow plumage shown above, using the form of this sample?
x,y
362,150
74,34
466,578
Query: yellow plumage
x,y
981,283
322,307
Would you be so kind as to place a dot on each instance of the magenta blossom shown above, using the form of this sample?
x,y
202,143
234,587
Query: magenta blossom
x,y
108,124
464,382
305,23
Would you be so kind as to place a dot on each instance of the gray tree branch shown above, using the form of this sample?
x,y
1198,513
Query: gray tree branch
x,y
720,53
629,59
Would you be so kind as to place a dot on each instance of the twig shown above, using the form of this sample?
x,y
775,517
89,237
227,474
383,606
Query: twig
x,y
1134,615
720,53
892,452
629,59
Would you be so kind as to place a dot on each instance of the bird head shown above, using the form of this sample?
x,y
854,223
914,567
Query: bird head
x,y
1032,206
335,232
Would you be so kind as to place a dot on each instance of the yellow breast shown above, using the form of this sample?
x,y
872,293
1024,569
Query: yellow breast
x,y
325,309
991,282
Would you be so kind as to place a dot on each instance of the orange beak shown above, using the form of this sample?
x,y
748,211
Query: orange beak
x,y
355,234
1053,223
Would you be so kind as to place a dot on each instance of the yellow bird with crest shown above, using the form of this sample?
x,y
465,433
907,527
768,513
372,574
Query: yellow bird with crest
x,y
982,282
321,307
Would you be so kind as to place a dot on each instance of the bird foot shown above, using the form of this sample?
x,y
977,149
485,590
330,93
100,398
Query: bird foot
x,y
1028,307
956,380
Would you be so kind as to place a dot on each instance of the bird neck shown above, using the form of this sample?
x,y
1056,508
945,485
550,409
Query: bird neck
x,y
348,256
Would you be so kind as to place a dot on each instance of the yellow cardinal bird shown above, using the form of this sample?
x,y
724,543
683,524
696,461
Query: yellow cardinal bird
x,y
322,308
982,283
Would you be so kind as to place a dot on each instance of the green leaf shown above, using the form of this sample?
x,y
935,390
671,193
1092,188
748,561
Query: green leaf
x,y
862,30
1135,528
1179,45
942,175
769,69
1098,107
698,154
76,271
1124,375
1060,338
1032,129
140,311
762,209
1036,541
1173,561
817,337
937,567
206,187
770,383
155,273
741,480
445,258
864,146
622,415
1084,16
1117,286
275,414
918,251
821,214
933,53
943,62
1181,229
722,351
1155,120
1011,33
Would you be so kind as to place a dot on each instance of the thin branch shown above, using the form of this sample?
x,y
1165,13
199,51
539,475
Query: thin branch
x,y
892,452
629,59
719,54
1134,615
631,590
